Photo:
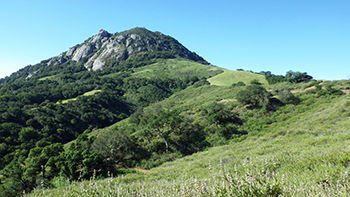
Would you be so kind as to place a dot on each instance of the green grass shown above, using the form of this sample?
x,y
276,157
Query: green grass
x,y
307,157
53,77
305,153
176,68
227,78
85,94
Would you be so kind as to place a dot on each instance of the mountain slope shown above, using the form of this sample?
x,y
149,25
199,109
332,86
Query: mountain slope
x,y
138,99
59,99
303,152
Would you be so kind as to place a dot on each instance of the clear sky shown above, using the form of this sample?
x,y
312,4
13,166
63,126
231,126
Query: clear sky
x,y
310,36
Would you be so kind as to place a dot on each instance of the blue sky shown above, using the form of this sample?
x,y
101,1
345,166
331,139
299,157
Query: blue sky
x,y
310,36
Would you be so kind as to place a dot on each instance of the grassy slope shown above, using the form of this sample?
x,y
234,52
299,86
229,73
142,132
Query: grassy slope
x,y
306,152
228,77
85,94
176,68
53,77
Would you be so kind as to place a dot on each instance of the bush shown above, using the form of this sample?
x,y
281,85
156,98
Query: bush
x,y
255,82
254,95
287,97
240,83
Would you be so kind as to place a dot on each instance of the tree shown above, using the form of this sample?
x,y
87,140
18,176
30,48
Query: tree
x,y
216,113
79,158
240,83
163,123
112,146
40,158
255,82
254,95
12,179
223,118
157,121
297,77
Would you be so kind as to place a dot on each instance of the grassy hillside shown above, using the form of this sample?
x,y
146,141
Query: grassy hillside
x,y
89,93
227,78
303,151
176,68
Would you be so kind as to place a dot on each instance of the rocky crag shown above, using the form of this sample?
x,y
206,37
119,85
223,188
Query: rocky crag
x,y
105,47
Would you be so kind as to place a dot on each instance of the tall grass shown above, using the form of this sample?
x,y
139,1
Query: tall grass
x,y
250,178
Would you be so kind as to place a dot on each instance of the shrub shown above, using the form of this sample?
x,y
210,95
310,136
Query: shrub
x,y
255,82
254,95
287,97
240,83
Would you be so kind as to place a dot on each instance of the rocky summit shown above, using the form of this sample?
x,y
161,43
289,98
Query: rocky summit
x,y
105,47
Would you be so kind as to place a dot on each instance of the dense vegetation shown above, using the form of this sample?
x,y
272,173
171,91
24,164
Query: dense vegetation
x,y
61,125
284,151
49,108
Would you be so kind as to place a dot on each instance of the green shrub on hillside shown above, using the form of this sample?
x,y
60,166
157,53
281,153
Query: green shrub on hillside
x,y
238,84
254,95
287,97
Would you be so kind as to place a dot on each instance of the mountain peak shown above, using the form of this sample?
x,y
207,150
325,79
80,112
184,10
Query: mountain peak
x,y
105,47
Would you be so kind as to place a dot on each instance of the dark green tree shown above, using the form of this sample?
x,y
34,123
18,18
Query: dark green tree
x,y
240,83
255,82
113,147
78,160
12,179
40,158
157,121
255,95
297,77
217,113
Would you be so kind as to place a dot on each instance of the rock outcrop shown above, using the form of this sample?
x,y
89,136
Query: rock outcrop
x,y
57,60
104,47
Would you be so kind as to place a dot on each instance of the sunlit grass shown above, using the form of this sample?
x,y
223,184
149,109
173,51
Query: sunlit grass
x,y
53,77
227,78
92,92
176,68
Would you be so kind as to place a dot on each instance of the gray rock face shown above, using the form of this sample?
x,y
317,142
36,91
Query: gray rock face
x,y
71,50
118,47
101,36
83,51
57,60
113,51
98,64
130,50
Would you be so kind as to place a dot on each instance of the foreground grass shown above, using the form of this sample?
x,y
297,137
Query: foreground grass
x,y
307,154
